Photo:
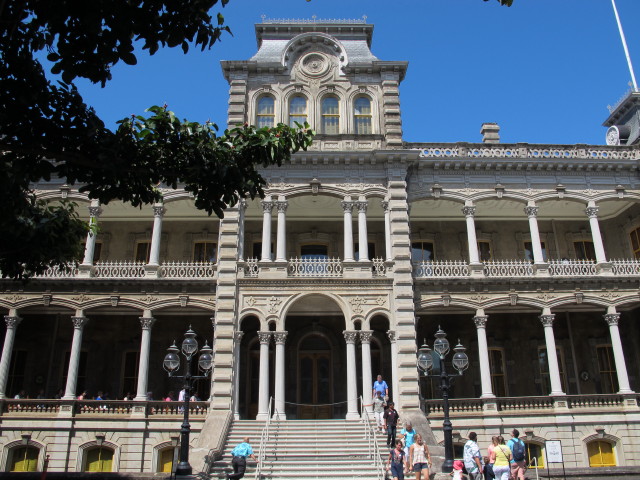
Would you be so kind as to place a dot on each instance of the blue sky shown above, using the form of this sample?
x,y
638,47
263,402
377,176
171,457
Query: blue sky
x,y
545,70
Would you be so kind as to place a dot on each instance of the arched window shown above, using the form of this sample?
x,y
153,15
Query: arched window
x,y
330,116
362,116
98,459
297,110
601,454
266,113
24,459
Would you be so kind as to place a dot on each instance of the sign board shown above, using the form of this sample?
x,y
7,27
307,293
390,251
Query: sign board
x,y
554,451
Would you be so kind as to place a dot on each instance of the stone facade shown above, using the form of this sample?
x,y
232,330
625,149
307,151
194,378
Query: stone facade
x,y
363,246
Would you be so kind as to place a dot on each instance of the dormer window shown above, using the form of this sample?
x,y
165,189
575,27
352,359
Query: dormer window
x,y
362,116
330,116
297,110
266,114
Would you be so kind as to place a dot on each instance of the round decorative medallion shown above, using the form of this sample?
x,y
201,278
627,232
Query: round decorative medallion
x,y
315,64
613,136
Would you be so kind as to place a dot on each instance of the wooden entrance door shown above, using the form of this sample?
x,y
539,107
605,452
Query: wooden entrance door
x,y
315,386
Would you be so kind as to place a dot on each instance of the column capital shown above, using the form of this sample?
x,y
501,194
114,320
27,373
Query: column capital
x,y
480,321
267,206
531,211
264,337
362,205
12,321
469,211
281,205
147,322
159,210
350,336
592,212
237,335
95,212
365,336
612,319
79,322
347,205
385,205
547,320
280,337
392,335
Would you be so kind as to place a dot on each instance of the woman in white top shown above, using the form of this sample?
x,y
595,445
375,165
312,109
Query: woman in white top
x,y
420,458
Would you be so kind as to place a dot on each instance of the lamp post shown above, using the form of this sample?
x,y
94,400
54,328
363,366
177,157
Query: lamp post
x,y
171,364
460,363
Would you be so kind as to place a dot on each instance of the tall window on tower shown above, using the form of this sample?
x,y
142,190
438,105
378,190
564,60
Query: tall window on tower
x,y
266,112
330,116
297,110
362,116
635,242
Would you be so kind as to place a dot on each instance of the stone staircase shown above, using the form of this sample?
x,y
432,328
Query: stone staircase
x,y
305,450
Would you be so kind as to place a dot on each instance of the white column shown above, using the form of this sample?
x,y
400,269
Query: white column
x,y
598,246
363,244
267,206
146,322
237,338
532,213
281,241
367,376
347,206
394,364
154,255
263,391
552,356
469,211
12,320
90,245
281,338
612,320
387,230
242,207
480,321
79,321
350,337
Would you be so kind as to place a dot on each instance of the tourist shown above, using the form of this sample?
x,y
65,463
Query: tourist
x,y
472,457
239,459
501,459
396,464
83,395
408,435
518,454
489,465
381,386
170,396
390,418
378,411
420,458
457,470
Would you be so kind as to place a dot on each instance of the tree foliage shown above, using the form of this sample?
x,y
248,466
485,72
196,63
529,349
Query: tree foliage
x,y
48,132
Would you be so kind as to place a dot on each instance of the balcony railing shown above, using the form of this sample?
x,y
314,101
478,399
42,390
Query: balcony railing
x,y
524,268
315,267
462,406
188,270
44,407
119,269
126,269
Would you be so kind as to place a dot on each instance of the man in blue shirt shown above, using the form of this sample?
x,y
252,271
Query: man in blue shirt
x,y
518,454
239,460
381,386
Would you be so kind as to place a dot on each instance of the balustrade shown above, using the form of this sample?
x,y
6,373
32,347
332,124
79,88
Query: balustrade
x,y
188,270
119,269
572,268
59,272
251,268
441,268
378,267
26,406
508,268
315,267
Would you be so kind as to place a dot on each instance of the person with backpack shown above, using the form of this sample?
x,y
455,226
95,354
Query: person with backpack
x,y
518,451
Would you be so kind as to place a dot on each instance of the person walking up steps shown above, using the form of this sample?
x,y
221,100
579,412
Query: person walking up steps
x,y
239,459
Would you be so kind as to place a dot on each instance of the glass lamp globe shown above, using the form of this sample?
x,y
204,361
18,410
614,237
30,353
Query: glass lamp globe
x,y
171,361
441,344
205,361
425,360
189,344
460,359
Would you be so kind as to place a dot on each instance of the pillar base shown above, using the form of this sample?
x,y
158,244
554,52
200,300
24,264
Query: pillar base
x,y
541,269
352,416
85,271
152,271
476,269
262,417
604,268
279,416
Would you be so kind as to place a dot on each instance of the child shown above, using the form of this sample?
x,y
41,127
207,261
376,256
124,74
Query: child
x,y
488,469
457,470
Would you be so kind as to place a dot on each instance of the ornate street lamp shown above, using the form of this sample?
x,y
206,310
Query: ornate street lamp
x,y
460,363
171,364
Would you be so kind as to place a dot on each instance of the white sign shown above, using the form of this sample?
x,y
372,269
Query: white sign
x,y
554,451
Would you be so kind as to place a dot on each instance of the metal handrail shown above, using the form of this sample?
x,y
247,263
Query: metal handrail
x,y
372,440
264,438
